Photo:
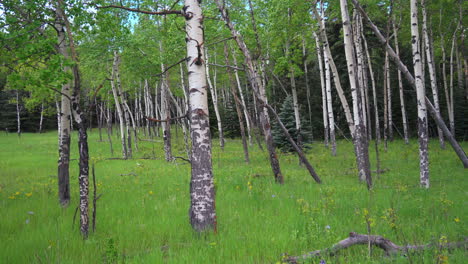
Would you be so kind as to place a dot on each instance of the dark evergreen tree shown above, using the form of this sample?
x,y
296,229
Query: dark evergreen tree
x,y
287,117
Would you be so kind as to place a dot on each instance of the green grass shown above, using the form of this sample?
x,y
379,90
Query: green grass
x,y
144,218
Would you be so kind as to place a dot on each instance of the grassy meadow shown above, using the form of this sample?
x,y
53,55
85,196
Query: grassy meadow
x,y
142,215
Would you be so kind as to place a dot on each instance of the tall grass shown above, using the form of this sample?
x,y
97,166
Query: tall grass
x,y
142,216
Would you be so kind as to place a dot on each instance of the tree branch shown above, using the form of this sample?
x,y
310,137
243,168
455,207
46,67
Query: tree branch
x,y
388,246
164,12
227,66
168,68
166,120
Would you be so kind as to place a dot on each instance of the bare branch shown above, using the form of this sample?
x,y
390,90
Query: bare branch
x,y
227,66
388,246
164,12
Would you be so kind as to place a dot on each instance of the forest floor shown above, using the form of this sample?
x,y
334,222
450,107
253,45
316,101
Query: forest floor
x,y
142,215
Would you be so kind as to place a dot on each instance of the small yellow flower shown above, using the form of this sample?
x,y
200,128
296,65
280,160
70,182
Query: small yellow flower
x,y
11,197
28,194
150,192
17,193
457,220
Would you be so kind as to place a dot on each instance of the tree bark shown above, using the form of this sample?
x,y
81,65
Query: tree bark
x,y
259,91
336,76
437,118
324,84
202,191
118,106
79,116
374,92
432,69
214,98
238,105
360,135
65,119
400,87
165,111
383,243
420,94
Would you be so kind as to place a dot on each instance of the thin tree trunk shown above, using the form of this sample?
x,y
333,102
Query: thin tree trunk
x,y
165,111
259,91
244,106
126,112
109,129
306,74
185,122
400,87
437,118
360,136
41,119
374,92
238,105
336,76
214,98
432,69
422,112
329,107
117,104
292,79
324,84
386,81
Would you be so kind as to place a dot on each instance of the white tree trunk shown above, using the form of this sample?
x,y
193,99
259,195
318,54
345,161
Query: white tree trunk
x,y
248,121
214,98
336,76
432,69
374,92
422,113
400,87
360,137
117,103
65,120
329,107
323,82
202,191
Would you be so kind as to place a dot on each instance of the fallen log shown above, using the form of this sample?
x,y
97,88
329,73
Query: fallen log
x,y
388,246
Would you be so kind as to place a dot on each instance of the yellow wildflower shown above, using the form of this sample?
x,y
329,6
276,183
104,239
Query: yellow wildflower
x,y
150,192
17,193
28,194
457,220
11,197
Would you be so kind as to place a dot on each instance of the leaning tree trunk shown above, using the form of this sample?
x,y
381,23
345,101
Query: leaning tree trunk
x,y
400,87
360,136
437,118
65,120
422,112
202,191
432,69
259,91
214,98
117,103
